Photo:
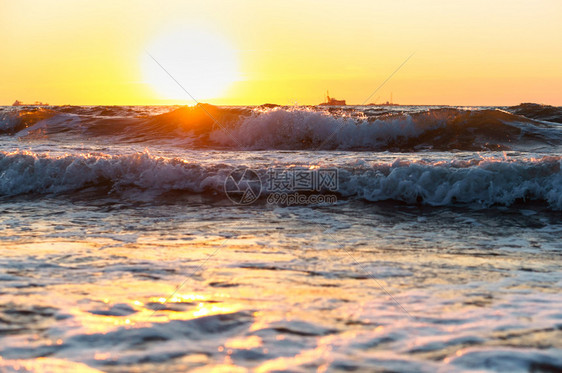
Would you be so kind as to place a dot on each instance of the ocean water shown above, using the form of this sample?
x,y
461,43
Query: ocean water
x,y
395,239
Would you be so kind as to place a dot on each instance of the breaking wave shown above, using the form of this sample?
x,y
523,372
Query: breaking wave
x,y
483,182
303,128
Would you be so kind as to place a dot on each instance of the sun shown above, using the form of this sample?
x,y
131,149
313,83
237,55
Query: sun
x,y
203,63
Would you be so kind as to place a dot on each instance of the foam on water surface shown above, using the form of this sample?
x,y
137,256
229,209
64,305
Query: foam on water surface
x,y
120,249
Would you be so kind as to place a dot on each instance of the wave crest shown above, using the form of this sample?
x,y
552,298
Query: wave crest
x,y
537,111
436,129
309,128
484,182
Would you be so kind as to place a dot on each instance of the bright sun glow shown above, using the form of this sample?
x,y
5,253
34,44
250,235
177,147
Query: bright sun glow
x,y
202,62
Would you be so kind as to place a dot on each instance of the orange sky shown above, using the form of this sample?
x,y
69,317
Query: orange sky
x,y
251,52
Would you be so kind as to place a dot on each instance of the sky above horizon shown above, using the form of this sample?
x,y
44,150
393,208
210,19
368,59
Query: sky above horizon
x,y
285,52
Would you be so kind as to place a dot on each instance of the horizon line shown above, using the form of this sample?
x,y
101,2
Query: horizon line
x,y
269,103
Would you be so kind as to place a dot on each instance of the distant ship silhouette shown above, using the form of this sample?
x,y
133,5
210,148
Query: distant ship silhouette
x,y
388,103
37,103
330,101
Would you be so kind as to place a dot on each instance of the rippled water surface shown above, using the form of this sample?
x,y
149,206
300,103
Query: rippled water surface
x,y
127,256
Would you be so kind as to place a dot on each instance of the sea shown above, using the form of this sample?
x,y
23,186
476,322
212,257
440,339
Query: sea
x,y
281,238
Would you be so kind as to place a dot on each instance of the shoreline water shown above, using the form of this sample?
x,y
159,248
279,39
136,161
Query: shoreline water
x,y
121,249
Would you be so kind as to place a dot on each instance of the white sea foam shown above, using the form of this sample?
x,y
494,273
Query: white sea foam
x,y
478,181
27,172
310,129
293,128
484,182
